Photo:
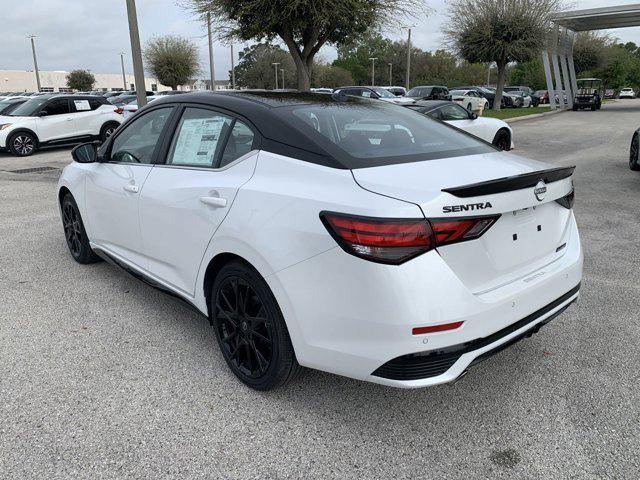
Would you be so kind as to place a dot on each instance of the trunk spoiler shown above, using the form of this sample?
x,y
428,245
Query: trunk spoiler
x,y
507,184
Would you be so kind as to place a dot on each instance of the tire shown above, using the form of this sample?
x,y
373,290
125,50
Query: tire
x,y
75,233
22,144
107,130
251,331
502,140
575,108
634,163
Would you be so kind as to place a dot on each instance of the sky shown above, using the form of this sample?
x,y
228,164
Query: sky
x,y
90,34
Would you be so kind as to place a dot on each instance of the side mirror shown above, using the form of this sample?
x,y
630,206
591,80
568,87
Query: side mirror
x,y
42,113
473,115
85,153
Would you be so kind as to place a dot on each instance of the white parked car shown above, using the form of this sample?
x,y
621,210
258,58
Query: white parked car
x,y
469,99
128,109
379,93
627,93
492,130
56,120
333,232
397,91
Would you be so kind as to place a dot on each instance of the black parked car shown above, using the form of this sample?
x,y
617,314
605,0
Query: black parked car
x,y
429,92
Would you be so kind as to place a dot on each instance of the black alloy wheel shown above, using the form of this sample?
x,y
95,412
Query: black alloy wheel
x,y
75,233
634,163
22,144
250,329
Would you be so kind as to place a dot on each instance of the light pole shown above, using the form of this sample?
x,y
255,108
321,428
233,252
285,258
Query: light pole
x,y
408,59
390,72
35,62
373,70
136,54
211,66
124,77
233,70
275,67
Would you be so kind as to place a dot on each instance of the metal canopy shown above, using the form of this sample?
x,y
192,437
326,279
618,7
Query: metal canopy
x,y
600,18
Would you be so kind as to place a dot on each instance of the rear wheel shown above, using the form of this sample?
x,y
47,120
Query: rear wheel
x,y
107,130
250,328
74,232
22,144
634,164
502,140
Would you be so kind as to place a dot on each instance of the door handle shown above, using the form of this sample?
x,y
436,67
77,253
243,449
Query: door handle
x,y
216,202
131,188
69,119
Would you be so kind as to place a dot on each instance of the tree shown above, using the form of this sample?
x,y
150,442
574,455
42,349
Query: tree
x,y
173,60
255,68
501,31
591,51
330,76
355,57
82,80
529,73
303,26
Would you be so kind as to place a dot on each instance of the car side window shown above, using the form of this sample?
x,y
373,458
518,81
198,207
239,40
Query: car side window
x,y
198,138
59,106
365,93
435,114
454,112
136,143
239,143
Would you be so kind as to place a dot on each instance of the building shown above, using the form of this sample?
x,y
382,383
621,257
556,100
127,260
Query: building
x,y
25,81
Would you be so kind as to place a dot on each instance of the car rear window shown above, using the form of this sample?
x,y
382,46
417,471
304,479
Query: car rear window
x,y
372,133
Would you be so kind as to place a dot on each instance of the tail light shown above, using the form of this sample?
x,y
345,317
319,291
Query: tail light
x,y
567,200
394,241
119,110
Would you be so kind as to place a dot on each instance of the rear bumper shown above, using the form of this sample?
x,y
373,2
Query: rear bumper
x,y
352,317
450,363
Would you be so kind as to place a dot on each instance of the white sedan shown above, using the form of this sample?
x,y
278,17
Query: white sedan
x,y
339,233
491,130
627,93
469,99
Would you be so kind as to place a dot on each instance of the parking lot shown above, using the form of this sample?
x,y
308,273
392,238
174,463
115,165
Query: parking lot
x,y
102,376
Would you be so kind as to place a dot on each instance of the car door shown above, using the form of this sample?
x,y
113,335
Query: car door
x,y
113,187
55,121
184,200
84,115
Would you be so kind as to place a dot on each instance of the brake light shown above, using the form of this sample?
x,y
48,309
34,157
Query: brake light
x,y
394,241
567,200
119,110
454,230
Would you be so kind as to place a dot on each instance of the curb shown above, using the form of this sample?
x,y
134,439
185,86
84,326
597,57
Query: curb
x,y
535,115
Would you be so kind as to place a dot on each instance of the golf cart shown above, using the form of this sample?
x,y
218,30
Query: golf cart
x,y
589,94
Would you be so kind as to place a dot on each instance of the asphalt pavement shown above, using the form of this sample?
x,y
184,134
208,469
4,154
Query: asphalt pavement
x,y
102,376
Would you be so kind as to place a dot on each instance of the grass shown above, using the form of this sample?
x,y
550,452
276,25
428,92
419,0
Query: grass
x,y
514,112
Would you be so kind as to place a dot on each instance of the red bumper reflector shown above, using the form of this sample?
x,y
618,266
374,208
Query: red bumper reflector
x,y
436,328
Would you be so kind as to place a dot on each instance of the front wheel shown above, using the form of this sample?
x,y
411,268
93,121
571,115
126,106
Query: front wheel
x,y
634,164
250,328
74,232
22,144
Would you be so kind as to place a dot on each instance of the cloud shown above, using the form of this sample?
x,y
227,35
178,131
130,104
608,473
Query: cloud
x,y
90,33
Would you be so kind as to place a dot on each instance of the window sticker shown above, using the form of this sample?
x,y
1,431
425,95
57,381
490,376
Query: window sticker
x,y
197,141
82,105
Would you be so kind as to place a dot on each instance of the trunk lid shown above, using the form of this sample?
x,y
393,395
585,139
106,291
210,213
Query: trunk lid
x,y
532,226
